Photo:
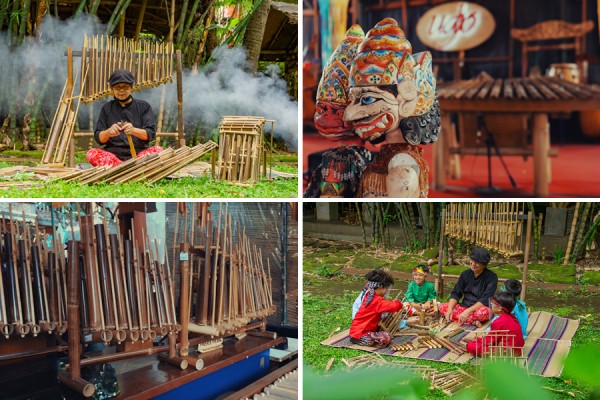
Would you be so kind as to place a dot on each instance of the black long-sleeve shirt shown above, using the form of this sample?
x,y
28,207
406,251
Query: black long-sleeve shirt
x,y
472,289
139,113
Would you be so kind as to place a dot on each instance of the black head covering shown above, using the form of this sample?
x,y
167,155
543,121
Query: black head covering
x,y
481,255
121,76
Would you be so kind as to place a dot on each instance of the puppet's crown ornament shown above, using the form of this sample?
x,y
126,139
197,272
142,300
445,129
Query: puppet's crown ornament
x,y
333,86
384,57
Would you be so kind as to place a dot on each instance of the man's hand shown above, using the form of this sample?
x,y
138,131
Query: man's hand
x,y
464,315
128,128
448,315
114,130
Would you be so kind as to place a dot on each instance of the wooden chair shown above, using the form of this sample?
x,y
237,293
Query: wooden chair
x,y
554,30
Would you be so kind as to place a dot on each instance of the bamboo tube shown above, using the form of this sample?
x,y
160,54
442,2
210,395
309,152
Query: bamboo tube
x,y
184,306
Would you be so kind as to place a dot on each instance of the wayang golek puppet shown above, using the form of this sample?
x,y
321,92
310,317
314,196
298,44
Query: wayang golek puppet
x,y
393,100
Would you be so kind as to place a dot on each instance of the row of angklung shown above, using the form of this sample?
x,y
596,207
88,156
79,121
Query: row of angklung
x,y
229,285
151,63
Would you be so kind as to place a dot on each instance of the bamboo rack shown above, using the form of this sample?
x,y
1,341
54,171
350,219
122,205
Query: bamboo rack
x,y
151,63
242,149
495,226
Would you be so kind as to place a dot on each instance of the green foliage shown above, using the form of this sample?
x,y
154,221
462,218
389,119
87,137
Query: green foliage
x,y
497,375
366,260
324,271
552,273
591,278
363,383
559,255
582,365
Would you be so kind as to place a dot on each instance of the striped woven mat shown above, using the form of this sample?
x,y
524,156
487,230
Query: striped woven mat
x,y
547,344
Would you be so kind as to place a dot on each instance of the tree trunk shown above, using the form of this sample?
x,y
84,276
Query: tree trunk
x,y
202,43
362,223
3,12
571,235
254,34
94,8
117,15
186,29
581,229
181,24
41,11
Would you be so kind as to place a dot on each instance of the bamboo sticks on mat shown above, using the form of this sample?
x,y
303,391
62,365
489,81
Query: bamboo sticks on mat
x,y
242,148
149,168
496,226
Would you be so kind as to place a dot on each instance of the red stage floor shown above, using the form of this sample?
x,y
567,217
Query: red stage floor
x,y
575,172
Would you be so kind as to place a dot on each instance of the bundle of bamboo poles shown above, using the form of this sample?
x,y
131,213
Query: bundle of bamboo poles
x,y
150,62
451,382
33,289
126,293
242,148
496,226
149,168
230,286
391,323
63,124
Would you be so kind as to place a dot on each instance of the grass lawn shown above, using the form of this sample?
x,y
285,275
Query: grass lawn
x,y
327,300
327,305
202,187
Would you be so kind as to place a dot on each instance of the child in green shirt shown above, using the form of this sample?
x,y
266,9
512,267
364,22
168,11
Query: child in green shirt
x,y
420,294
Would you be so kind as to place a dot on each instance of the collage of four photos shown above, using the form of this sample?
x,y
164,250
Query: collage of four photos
x,y
260,199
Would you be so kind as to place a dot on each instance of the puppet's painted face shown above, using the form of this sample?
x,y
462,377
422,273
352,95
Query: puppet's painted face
x,y
329,120
373,111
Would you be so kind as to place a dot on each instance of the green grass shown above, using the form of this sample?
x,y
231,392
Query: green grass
x,y
202,187
365,260
591,278
552,273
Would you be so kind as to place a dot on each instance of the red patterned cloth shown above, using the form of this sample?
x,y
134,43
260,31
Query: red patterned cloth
x,y
98,157
373,339
482,314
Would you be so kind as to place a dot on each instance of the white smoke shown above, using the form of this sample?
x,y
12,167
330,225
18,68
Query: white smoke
x,y
223,87
220,88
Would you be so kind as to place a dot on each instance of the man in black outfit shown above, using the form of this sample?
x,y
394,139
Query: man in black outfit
x,y
125,127
475,286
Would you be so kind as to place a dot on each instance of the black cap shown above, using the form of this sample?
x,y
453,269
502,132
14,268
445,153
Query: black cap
x,y
121,76
480,255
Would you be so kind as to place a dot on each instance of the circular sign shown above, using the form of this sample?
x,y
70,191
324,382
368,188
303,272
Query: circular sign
x,y
455,26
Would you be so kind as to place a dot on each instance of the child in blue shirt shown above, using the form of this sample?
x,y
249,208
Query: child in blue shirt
x,y
513,287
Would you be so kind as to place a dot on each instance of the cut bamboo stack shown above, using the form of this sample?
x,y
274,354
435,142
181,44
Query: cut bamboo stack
x,y
241,148
149,168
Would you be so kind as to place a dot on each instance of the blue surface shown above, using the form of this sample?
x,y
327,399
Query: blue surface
x,y
228,379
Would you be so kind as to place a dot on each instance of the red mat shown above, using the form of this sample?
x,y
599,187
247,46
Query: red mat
x,y
574,172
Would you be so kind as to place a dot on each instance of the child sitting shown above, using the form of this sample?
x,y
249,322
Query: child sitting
x,y
511,335
358,301
513,287
420,294
363,330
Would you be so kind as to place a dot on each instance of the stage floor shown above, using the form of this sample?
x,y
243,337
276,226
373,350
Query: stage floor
x,y
574,172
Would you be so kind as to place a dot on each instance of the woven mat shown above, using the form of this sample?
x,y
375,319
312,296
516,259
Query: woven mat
x,y
444,355
547,344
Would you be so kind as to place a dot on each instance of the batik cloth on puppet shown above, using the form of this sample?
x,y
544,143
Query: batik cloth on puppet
x,y
373,180
338,174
